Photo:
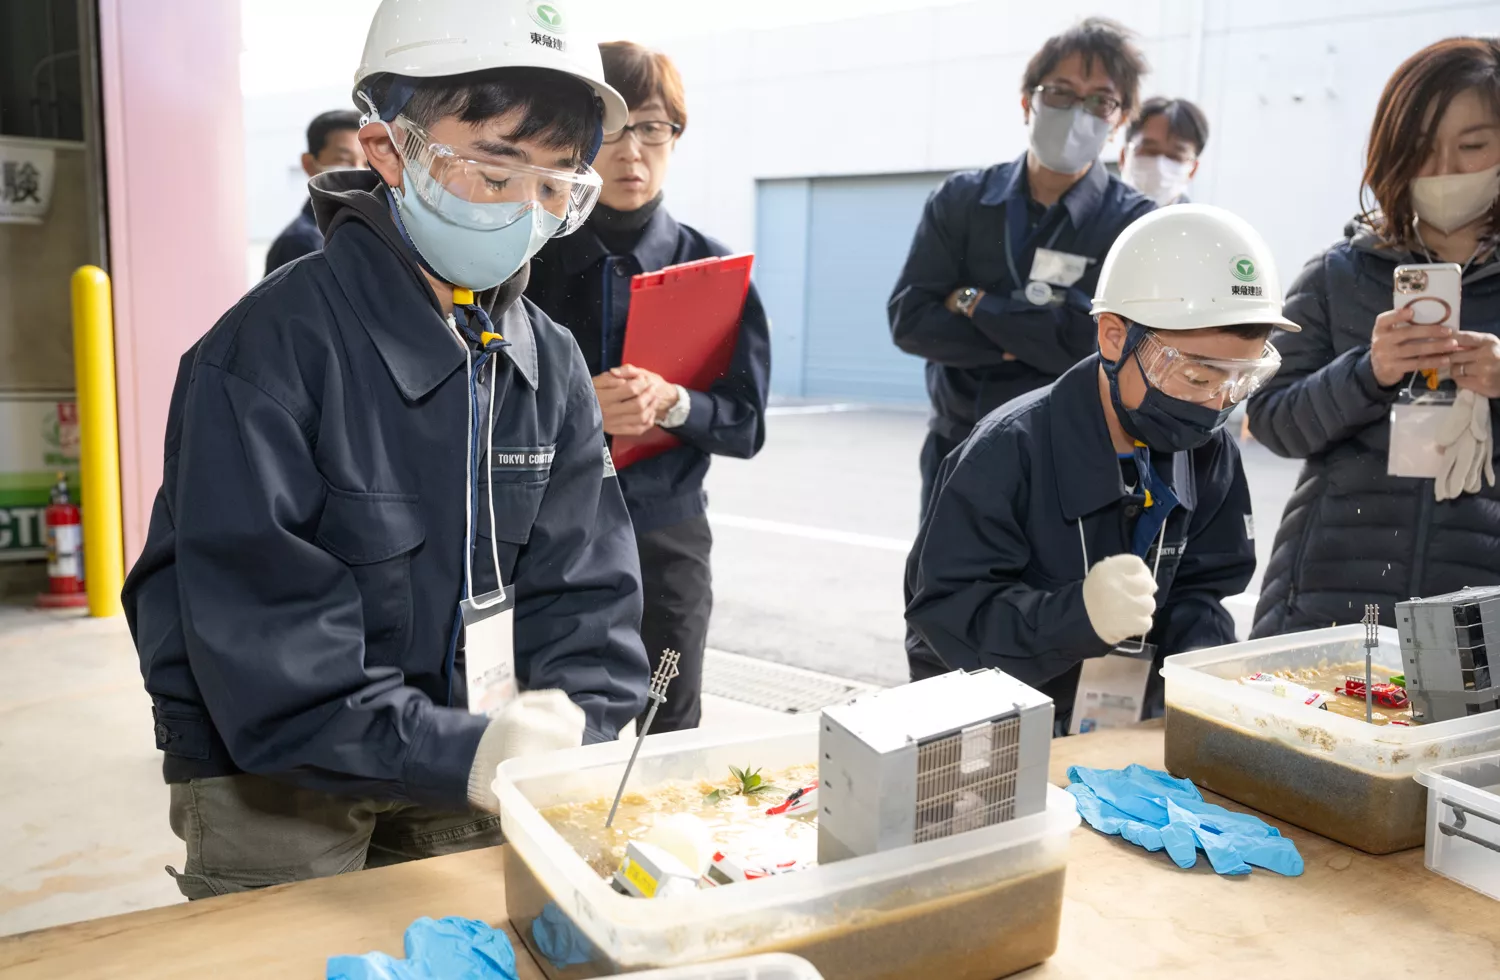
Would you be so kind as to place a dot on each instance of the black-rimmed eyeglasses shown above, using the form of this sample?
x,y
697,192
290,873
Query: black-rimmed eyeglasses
x,y
652,133
1054,97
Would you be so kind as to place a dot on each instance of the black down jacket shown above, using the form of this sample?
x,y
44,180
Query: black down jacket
x,y
1351,534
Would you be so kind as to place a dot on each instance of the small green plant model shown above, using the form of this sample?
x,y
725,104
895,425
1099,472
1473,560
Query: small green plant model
x,y
750,784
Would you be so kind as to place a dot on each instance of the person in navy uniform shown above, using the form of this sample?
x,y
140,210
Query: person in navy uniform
x,y
332,145
995,292
583,282
389,551
1163,148
1109,511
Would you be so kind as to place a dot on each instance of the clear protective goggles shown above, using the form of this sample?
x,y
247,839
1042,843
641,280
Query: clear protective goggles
x,y
1203,380
466,191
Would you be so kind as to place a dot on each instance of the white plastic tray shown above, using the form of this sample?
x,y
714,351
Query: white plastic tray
x,y
1207,682
772,966
775,914
1463,821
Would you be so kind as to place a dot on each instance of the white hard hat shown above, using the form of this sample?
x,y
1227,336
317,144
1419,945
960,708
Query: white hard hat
x,y
1191,266
437,38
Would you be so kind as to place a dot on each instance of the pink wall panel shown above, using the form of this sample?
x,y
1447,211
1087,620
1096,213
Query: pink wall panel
x,y
174,162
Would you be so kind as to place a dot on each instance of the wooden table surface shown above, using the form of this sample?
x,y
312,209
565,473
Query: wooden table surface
x,y
1126,913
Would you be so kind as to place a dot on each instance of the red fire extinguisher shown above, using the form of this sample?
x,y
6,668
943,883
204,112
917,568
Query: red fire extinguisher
x,y
64,551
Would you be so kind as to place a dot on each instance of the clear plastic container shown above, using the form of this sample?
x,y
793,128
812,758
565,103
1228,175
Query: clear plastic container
x,y
975,906
1332,775
1463,821
772,966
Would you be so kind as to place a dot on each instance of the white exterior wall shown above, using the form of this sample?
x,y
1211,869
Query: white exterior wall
x,y
1289,87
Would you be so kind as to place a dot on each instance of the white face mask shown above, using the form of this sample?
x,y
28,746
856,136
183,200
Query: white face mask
x,y
1453,200
1160,178
1066,140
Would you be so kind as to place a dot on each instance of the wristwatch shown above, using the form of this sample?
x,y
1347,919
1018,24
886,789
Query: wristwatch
x,y
967,297
678,413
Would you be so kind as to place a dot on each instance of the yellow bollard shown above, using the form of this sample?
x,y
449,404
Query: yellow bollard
x,y
99,438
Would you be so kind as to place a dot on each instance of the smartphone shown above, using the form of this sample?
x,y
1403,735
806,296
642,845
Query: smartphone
x,y
1432,292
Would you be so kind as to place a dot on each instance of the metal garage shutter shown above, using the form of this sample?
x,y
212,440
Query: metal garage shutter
x,y
835,342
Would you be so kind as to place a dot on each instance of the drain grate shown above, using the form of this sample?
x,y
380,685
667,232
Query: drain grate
x,y
792,690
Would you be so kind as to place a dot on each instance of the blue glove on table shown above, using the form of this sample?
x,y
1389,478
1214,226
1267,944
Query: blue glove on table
x,y
1152,810
558,939
448,949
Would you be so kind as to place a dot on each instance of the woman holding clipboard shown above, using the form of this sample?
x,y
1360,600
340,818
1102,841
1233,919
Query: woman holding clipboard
x,y
583,283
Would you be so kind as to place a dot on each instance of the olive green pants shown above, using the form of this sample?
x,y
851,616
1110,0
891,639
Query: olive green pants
x,y
245,832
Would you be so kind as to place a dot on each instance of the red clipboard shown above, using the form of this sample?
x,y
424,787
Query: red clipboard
x,y
684,323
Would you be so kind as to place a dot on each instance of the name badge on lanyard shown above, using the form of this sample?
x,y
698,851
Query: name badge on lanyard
x,y
1049,268
1416,420
489,619
1111,689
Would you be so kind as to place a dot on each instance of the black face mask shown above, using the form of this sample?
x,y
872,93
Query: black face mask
x,y
1162,422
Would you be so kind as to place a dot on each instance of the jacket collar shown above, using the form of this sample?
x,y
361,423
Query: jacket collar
x,y
656,249
1363,238
1083,455
392,299
1007,183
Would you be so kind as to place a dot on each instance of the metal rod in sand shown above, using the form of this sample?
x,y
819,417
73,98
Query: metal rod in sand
x,y
1372,640
657,694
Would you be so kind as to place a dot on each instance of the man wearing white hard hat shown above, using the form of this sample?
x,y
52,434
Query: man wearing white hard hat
x,y
390,551
1087,530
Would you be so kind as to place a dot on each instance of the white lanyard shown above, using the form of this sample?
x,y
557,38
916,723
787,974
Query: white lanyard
x,y
1156,565
1136,644
470,486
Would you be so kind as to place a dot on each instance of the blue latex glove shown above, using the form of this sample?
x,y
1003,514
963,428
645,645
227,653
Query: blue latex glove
x,y
1152,810
447,949
558,939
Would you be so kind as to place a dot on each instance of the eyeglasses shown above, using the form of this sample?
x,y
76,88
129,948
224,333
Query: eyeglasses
x,y
1204,380
1054,97
464,189
650,133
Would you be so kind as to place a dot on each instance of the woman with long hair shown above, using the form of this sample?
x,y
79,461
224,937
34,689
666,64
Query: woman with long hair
x,y
1352,533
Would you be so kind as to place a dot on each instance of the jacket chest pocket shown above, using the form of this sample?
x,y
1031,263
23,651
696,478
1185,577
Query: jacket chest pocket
x,y
375,534
519,477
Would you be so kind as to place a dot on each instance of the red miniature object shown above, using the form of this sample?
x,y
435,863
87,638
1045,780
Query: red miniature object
x,y
1385,695
801,801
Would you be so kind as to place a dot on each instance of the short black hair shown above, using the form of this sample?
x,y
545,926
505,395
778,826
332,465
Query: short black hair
x,y
1244,331
1185,121
325,124
558,109
1111,42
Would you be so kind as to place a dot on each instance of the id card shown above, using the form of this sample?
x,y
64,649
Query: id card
x,y
489,650
1112,690
1058,268
1416,420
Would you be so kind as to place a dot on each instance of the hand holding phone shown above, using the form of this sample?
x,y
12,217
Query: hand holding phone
x,y
1418,333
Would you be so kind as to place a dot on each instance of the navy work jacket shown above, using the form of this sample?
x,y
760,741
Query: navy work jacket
x,y
295,601
583,287
961,241
996,576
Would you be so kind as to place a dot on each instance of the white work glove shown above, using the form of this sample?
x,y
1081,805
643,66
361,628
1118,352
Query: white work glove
x,y
1119,596
534,723
1467,446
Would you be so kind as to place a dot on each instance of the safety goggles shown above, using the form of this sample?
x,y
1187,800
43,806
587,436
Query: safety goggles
x,y
1203,380
466,191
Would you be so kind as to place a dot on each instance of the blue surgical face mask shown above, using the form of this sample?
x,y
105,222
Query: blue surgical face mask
x,y
1164,423
475,258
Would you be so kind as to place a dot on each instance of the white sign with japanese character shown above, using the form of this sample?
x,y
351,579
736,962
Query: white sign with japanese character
x,y
26,173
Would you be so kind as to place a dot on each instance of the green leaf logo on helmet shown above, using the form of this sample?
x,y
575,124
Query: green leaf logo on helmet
x,y
549,16
1244,268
